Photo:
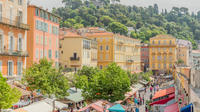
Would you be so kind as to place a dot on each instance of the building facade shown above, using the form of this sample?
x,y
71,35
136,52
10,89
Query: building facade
x,y
144,57
43,36
184,52
116,48
76,51
162,53
13,36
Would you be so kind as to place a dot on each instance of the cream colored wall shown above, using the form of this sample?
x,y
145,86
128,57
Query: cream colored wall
x,y
6,5
93,57
69,46
126,49
183,54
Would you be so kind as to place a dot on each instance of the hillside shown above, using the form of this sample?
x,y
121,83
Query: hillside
x,y
147,22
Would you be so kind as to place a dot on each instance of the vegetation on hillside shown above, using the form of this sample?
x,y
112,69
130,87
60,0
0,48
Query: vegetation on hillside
x,y
146,21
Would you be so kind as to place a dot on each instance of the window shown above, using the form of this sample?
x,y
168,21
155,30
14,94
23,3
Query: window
x,y
101,67
20,44
37,39
170,42
1,12
88,54
37,53
20,2
57,43
101,47
153,65
20,16
165,42
1,42
159,66
46,15
170,49
1,66
10,68
159,42
45,53
11,43
41,53
50,28
42,14
107,56
36,11
107,47
153,42
50,53
56,54
11,15
101,57
45,41
158,49
165,66
41,40
164,49
19,68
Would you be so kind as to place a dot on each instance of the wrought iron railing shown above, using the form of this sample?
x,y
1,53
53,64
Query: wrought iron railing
x,y
15,23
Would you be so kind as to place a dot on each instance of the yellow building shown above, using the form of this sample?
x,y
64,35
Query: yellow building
x,y
76,51
122,50
162,53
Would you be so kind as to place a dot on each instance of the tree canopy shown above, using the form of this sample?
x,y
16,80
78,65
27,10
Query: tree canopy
x,y
47,79
147,22
110,84
8,95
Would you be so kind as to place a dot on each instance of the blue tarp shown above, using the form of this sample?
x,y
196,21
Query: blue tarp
x,y
116,108
188,108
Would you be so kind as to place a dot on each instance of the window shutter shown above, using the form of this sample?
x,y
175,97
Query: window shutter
x,y
9,42
8,68
1,66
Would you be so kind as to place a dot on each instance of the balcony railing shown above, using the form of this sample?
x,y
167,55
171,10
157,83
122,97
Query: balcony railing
x,y
17,23
74,58
129,61
13,53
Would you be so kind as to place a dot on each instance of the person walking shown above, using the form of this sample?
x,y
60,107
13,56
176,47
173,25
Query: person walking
x,y
151,97
143,100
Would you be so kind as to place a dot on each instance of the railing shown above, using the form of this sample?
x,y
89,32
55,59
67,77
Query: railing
x,y
14,23
74,58
129,61
18,53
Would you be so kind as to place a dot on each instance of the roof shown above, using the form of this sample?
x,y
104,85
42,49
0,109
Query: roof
x,y
75,95
40,106
98,106
195,51
163,37
164,92
20,110
172,108
185,43
117,108
44,10
99,34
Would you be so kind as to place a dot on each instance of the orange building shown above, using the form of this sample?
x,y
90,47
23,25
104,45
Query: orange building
x,y
13,36
43,35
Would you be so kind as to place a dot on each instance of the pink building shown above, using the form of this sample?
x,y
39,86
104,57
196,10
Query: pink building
x,y
144,57
43,35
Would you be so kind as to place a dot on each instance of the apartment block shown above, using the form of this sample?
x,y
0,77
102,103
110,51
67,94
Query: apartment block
x,y
76,50
43,36
124,51
13,36
162,53
144,57
184,51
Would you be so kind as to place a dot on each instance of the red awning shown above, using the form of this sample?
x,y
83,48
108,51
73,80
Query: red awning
x,y
164,101
172,108
164,92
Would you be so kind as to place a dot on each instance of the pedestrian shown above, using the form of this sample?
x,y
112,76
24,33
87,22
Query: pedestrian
x,y
140,100
151,97
151,89
137,110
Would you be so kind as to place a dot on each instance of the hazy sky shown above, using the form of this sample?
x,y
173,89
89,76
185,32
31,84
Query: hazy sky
x,y
193,5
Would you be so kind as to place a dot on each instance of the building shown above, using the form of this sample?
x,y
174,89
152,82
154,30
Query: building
x,y
144,57
116,48
162,53
76,50
43,35
13,36
195,77
184,52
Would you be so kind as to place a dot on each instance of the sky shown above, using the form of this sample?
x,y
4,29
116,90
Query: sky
x,y
193,5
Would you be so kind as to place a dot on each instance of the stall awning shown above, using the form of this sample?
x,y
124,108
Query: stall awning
x,y
164,92
188,108
172,108
117,108
164,101
75,95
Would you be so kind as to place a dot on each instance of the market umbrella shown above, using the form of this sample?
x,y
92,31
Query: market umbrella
x,y
117,108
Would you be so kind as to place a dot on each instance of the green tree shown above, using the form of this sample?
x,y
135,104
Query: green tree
x,y
106,20
110,84
47,79
117,27
8,95
134,78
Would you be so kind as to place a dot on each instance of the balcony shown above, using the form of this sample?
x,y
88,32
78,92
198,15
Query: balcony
x,y
129,61
13,23
74,58
13,53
